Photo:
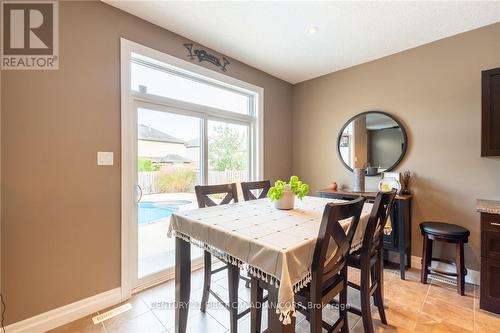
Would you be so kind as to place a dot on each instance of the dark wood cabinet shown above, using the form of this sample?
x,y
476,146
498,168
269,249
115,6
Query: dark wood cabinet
x,y
490,122
490,263
400,238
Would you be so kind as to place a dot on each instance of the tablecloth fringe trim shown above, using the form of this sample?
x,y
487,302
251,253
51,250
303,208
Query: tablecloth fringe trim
x,y
286,309
302,283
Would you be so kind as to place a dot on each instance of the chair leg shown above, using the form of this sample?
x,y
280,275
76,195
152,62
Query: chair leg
x,y
381,258
315,306
374,278
315,320
378,296
233,282
343,302
256,300
460,268
365,297
207,277
247,278
426,259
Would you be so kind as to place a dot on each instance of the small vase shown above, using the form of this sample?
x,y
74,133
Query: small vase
x,y
287,201
359,180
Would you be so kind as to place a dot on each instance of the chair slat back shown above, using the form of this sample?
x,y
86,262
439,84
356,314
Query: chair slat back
x,y
247,188
203,192
382,208
323,267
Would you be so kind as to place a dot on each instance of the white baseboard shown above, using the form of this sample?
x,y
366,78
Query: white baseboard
x,y
472,277
67,313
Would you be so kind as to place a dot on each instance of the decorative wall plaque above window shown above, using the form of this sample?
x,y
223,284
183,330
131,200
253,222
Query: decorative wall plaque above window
x,y
203,55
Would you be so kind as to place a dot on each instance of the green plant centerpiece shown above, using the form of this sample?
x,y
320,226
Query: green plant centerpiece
x,y
283,194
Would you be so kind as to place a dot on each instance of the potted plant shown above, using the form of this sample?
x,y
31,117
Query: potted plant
x,y
283,194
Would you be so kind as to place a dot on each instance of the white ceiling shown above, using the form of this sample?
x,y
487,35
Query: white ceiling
x,y
272,35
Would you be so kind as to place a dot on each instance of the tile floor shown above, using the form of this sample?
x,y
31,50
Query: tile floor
x,y
410,307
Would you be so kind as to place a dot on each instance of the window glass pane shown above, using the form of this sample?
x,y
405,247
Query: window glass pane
x,y
228,153
168,149
158,82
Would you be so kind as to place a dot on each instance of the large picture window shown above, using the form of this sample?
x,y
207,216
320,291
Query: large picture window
x,y
226,142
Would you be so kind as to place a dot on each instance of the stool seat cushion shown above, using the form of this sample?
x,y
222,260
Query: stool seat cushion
x,y
444,229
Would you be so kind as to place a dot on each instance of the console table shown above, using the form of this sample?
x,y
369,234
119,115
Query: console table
x,y
400,238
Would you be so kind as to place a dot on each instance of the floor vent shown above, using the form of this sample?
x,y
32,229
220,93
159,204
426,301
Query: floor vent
x,y
442,279
111,313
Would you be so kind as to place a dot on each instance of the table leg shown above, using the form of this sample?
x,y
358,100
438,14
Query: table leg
x,y
274,323
182,283
408,257
402,250
402,264
233,282
256,302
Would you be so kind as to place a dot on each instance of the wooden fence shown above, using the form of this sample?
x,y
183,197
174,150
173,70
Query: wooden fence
x,y
148,180
228,176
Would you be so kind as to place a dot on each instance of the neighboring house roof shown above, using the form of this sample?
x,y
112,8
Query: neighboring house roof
x,y
149,133
172,158
194,143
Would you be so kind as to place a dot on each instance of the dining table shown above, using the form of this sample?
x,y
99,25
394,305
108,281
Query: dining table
x,y
272,245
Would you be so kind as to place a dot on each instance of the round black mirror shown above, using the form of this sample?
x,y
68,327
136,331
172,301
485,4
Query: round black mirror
x,y
373,140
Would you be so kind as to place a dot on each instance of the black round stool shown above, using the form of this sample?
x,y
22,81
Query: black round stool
x,y
444,232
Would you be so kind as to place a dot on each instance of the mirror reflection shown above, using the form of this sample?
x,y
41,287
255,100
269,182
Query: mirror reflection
x,y
372,140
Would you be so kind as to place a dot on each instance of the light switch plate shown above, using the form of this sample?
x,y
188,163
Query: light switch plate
x,y
104,158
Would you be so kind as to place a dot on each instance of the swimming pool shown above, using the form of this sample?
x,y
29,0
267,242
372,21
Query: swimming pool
x,y
149,212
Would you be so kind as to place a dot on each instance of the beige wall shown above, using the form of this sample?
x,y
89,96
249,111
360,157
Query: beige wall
x,y
435,90
60,212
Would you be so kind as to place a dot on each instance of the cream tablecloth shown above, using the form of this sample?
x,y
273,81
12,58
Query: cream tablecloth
x,y
274,245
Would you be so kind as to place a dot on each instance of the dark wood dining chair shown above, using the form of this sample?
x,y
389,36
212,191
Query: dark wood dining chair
x,y
329,274
231,195
369,260
248,187
329,271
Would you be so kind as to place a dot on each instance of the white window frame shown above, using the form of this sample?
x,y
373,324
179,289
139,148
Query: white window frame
x,y
130,100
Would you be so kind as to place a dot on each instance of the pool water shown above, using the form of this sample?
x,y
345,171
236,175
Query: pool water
x,y
149,212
